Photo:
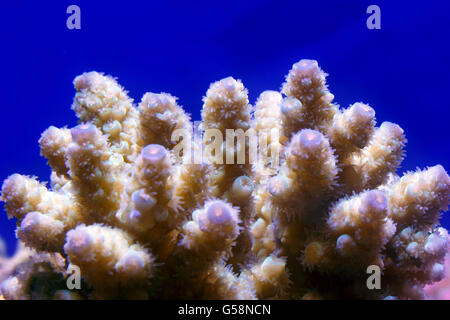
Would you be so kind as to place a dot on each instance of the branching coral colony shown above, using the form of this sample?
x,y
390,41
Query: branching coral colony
x,y
141,222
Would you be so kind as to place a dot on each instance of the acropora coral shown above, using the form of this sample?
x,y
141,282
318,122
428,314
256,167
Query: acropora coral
x,y
141,220
440,290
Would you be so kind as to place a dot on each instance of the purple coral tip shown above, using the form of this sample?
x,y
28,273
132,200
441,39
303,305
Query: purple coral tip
x,y
306,65
309,139
394,129
78,240
277,186
374,200
437,272
219,213
132,263
153,154
242,187
438,173
30,221
345,245
229,83
83,132
143,201
85,80
362,112
290,106
154,100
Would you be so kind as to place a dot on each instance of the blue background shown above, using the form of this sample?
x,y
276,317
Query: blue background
x,y
401,70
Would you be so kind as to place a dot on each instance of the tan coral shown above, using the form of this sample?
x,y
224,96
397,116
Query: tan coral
x,y
130,204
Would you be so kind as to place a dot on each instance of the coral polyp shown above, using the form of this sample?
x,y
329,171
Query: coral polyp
x,y
141,220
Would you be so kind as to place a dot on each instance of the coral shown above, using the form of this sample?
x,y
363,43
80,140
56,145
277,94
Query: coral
x,y
9,264
440,290
302,216
33,275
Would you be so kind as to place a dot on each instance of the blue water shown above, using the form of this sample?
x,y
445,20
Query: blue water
x,y
401,70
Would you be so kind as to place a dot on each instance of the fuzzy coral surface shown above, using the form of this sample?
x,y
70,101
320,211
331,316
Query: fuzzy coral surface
x,y
131,207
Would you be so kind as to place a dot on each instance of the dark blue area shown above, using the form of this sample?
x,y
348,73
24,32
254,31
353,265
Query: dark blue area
x,y
401,70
